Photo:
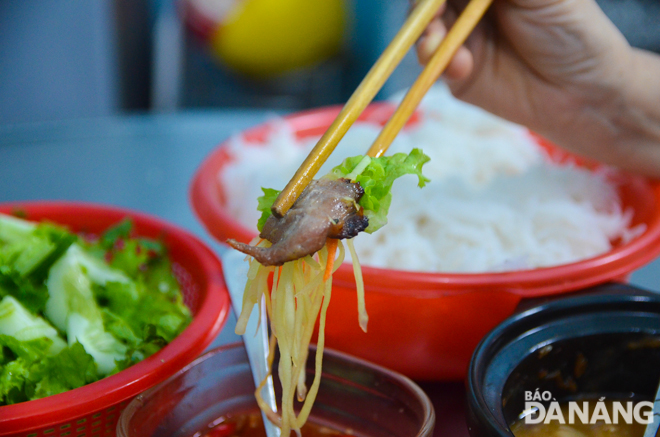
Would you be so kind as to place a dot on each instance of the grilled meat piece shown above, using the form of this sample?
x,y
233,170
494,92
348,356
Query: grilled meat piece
x,y
325,209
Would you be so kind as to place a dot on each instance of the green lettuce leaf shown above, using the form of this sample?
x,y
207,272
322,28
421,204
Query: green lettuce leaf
x,y
69,369
377,178
27,252
29,350
27,373
116,233
375,175
32,294
17,324
13,376
264,205
114,300
125,252
146,315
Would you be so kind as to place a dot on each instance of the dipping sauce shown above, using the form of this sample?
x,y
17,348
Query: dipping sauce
x,y
251,425
625,426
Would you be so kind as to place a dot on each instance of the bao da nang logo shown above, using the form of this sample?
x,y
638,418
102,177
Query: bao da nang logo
x,y
541,407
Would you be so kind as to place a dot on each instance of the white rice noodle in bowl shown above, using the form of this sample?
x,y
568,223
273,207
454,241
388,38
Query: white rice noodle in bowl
x,y
496,201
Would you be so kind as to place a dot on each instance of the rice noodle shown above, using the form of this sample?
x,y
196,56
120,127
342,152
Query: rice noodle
x,y
363,317
297,297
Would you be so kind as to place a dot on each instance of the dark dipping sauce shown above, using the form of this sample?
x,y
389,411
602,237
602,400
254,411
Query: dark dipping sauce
x,y
251,425
616,368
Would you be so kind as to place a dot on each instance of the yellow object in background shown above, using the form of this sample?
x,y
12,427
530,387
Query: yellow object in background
x,y
269,37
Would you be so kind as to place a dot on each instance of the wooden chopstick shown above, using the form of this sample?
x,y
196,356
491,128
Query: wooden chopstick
x,y
437,64
411,30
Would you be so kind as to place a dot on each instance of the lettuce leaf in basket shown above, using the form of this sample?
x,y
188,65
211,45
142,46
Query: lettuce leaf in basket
x,y
69,369
152,320
27,374
157,313
75,309
128,253
27,252
375,175
13,376
35,361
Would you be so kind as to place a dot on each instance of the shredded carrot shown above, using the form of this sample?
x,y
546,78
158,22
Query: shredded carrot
x,y
271,279
331,243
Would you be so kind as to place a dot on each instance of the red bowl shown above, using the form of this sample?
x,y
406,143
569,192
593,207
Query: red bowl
x,y
426,325
95,408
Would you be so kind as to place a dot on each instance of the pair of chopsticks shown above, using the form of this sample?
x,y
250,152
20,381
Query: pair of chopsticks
x,y
411,30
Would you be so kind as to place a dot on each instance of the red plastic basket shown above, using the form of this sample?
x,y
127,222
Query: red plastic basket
x,y
93,410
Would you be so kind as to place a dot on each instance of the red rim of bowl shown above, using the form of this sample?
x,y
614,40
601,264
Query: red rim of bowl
x,y
207,322
615,264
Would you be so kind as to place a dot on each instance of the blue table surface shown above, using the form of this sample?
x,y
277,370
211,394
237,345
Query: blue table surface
x,y
146,162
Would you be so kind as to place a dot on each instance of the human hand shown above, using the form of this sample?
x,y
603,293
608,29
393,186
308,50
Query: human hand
x,y
531,58
561,68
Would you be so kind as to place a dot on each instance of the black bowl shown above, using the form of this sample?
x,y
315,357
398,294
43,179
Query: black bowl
x,y
605,341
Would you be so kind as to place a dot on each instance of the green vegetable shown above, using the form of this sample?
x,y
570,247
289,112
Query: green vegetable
x,y
375,175
71,368
13,229
118,232
265,203
73,311
18,323
27,252
27,374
